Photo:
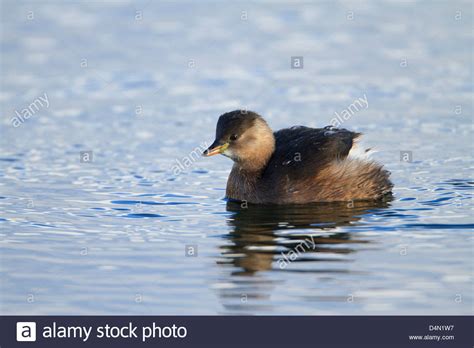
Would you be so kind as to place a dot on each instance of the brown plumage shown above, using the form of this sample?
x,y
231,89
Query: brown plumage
x,y
294,165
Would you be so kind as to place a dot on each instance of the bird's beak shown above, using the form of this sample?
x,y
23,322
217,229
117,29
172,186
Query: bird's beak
x,y
215,149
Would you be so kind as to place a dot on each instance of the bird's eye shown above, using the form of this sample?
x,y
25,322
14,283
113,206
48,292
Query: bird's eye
x,y
233,137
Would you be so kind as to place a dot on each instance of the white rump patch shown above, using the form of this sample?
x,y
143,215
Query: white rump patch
x,y
360,151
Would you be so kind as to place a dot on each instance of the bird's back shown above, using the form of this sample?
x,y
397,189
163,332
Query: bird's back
x,y
312,164
301,151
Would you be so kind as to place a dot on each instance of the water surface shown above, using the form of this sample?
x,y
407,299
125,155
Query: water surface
x,y
109,236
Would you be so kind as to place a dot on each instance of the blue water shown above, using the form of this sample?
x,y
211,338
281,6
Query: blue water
x,y
141,86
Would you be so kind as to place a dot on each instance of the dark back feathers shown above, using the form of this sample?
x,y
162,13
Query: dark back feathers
x,y
301,151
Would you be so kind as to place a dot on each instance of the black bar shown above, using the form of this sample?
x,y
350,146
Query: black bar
x,y
247,331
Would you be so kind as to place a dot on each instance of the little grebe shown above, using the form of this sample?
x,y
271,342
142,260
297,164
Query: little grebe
x,y
294,165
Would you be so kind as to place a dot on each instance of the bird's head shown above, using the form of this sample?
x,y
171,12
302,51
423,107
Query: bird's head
x,y
245,137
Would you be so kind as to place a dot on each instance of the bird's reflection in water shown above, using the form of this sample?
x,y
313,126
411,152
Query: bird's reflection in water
x,y
259,233
261,236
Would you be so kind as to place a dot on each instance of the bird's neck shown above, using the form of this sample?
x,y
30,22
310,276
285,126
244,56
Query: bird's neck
x,y
256,161
252,166
254,157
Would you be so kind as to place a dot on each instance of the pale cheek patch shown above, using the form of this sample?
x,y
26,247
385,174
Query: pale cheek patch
x,y
228,153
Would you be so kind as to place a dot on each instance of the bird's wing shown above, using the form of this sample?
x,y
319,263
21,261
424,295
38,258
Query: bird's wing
x,y
302,151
